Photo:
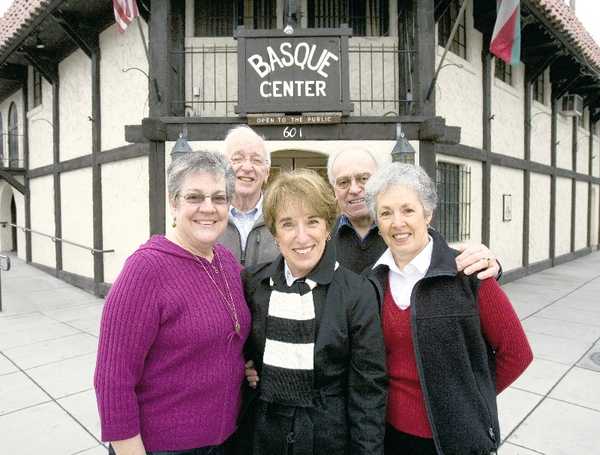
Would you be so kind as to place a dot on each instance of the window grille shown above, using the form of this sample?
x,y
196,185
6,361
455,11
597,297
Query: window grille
x,y
503,71
367,18
539,85
453,216
37,88
459,43
220,18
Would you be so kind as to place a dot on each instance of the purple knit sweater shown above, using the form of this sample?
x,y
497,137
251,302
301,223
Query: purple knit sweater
x,y
170,364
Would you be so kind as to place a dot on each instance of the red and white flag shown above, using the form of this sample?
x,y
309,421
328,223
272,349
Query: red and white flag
x,y
506,39
125,12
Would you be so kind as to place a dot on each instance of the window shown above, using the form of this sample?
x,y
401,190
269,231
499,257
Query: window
x,y
503,71
539,86
447,20
366,17
13,136
454,196
221,18
37,88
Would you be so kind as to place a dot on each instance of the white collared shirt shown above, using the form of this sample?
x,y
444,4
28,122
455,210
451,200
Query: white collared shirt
x,y
403,281
244,221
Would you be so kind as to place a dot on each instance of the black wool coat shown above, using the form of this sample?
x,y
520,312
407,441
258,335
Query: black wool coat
x,y
350,382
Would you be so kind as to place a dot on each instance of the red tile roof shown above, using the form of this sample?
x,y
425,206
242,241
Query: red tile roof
x,y
561,17
558,13
16,17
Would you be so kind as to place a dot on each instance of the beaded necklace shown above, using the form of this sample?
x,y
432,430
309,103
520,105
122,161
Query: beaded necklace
x,y
227,299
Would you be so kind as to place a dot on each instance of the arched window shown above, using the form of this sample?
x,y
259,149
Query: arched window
x,y
13,136
2,164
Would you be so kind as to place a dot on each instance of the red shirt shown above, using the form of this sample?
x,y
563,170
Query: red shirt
x,y
501,328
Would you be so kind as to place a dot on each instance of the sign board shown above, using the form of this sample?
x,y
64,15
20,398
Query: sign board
x,y
305,71
302,119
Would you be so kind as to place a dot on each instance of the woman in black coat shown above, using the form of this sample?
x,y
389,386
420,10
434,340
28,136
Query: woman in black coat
x,y
316,338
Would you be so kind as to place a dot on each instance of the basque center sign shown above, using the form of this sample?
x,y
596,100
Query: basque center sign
x,y
306,71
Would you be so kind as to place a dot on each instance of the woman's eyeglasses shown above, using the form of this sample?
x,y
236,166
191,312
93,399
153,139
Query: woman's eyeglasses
x,y
199,198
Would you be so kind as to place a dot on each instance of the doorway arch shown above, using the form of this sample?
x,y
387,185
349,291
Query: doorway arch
x,y
290,159
7,213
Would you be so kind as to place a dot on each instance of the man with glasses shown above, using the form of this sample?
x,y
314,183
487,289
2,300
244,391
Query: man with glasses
x,y
246,234
356,236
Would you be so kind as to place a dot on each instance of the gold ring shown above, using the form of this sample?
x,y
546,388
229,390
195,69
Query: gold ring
x,y
489,262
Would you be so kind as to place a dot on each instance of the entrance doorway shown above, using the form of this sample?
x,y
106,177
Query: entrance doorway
x,y
13,220
288,160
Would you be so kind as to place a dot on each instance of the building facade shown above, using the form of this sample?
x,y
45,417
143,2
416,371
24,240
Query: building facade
x,y
89,115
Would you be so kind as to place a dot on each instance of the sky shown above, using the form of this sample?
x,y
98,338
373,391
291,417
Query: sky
x,y
588,12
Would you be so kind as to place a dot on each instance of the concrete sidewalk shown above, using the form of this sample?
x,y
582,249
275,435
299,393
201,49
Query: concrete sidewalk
x,y
49,333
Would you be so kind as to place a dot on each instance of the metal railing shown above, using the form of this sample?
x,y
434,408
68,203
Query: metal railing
x,y
381,79
453,216
56,239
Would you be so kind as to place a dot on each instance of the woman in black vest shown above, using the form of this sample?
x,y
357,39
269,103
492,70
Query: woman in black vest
x,y
452,342
316,337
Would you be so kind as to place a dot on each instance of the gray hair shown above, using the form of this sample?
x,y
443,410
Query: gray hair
x,y
247,131
213,163
409,175
334,156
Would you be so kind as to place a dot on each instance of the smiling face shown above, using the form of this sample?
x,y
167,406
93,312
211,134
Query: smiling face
x,y
246,153
301,236
349,173
402,223
200,219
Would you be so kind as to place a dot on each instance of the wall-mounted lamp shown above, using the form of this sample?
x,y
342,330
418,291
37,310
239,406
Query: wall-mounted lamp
x,y
291,17
181,146
38,42
402,152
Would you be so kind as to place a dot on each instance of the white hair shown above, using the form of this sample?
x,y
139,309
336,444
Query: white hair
x,y
409,175
334,156
245,130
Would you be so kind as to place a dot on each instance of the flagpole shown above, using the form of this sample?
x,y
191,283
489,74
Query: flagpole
x,y
447,48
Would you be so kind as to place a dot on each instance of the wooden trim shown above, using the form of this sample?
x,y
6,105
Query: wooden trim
x,y
573,181
80,281
159,37
157,188
553,151
486,80
98,236
26,165
423,11
125,152
528,93
56,175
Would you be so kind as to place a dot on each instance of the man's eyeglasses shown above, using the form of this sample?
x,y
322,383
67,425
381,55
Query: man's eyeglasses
x,y
254,160
343,183
199,198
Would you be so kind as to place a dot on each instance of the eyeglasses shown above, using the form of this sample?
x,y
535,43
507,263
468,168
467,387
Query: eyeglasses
x,y
344,182
254,160
198,198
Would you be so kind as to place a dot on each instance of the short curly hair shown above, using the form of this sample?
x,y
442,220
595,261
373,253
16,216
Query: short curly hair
x,y
304,186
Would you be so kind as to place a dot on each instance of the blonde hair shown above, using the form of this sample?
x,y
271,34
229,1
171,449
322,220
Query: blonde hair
x,y
303,186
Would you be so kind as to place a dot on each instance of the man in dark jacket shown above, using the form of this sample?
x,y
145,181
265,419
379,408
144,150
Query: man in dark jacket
x,y
355,234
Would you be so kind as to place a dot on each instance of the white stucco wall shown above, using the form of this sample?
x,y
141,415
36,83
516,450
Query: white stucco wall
x,y
583,148
77,221
124,211
20,206
539,218
564,136
75,105
596,157
508,132
17,98
42,220
506,237
459,91
540,133
123,95
563,216
581,215
40,126
476,194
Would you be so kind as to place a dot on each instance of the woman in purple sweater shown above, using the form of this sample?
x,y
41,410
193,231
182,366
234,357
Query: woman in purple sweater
x,y
170,361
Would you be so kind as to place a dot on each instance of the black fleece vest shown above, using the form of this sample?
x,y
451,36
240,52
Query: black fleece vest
x,y
455,364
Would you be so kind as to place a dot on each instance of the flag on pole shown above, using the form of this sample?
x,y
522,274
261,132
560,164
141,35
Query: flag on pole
x,y
506,39
125,12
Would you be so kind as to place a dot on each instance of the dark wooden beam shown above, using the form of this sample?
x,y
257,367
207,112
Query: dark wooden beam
x,y
564,87
13,72
423,11
56,176
46,66
553,151
590,128
83,38
573,181
159,37
25,91
157,185
12,181
533,71
528,95
486,79
98,236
